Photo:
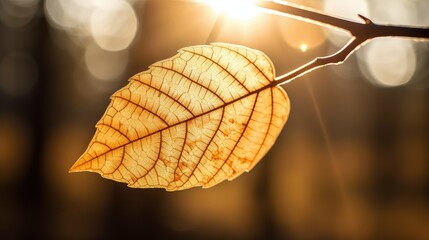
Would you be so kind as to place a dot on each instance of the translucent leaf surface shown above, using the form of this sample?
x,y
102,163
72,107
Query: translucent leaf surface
x,y
205,115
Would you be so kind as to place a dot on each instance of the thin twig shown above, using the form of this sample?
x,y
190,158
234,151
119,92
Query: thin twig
x,y
360,32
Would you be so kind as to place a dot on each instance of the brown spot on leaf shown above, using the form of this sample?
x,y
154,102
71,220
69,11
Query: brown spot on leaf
x,y
183,165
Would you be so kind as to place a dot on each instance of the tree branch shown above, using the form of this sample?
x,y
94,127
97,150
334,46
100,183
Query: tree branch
x,y
360,32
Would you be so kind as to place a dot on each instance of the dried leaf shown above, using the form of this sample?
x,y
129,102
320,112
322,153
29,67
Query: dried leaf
x,y
205,115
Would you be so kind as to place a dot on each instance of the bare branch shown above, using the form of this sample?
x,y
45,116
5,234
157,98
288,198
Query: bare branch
x,y
334,59
360,32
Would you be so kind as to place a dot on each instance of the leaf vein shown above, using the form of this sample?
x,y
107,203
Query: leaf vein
x,y
159,90
143,108
207,147
238,141
222,67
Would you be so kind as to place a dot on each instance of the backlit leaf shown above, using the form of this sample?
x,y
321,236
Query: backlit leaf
x,y
205,115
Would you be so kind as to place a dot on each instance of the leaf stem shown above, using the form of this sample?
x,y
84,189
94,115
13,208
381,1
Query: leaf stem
x,y
360,32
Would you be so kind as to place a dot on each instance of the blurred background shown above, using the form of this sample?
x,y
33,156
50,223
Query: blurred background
x,y
352,162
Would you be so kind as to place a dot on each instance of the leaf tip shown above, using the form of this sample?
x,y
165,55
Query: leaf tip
x,y
73,168
77,166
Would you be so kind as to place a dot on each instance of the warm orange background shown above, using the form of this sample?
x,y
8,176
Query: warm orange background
x,y
351,163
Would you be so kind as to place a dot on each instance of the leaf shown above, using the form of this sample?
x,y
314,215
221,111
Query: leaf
x,y
205,115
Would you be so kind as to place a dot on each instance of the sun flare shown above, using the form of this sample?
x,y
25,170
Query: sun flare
x,y
303,47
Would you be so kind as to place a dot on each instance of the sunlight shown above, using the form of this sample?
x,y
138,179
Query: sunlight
x,y
303,47
240,9
301,35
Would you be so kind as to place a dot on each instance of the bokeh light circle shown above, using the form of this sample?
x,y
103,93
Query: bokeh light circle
x,y
388,62
105,65
114,25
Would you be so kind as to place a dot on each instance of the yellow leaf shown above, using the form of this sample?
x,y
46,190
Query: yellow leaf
x,y
205,115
